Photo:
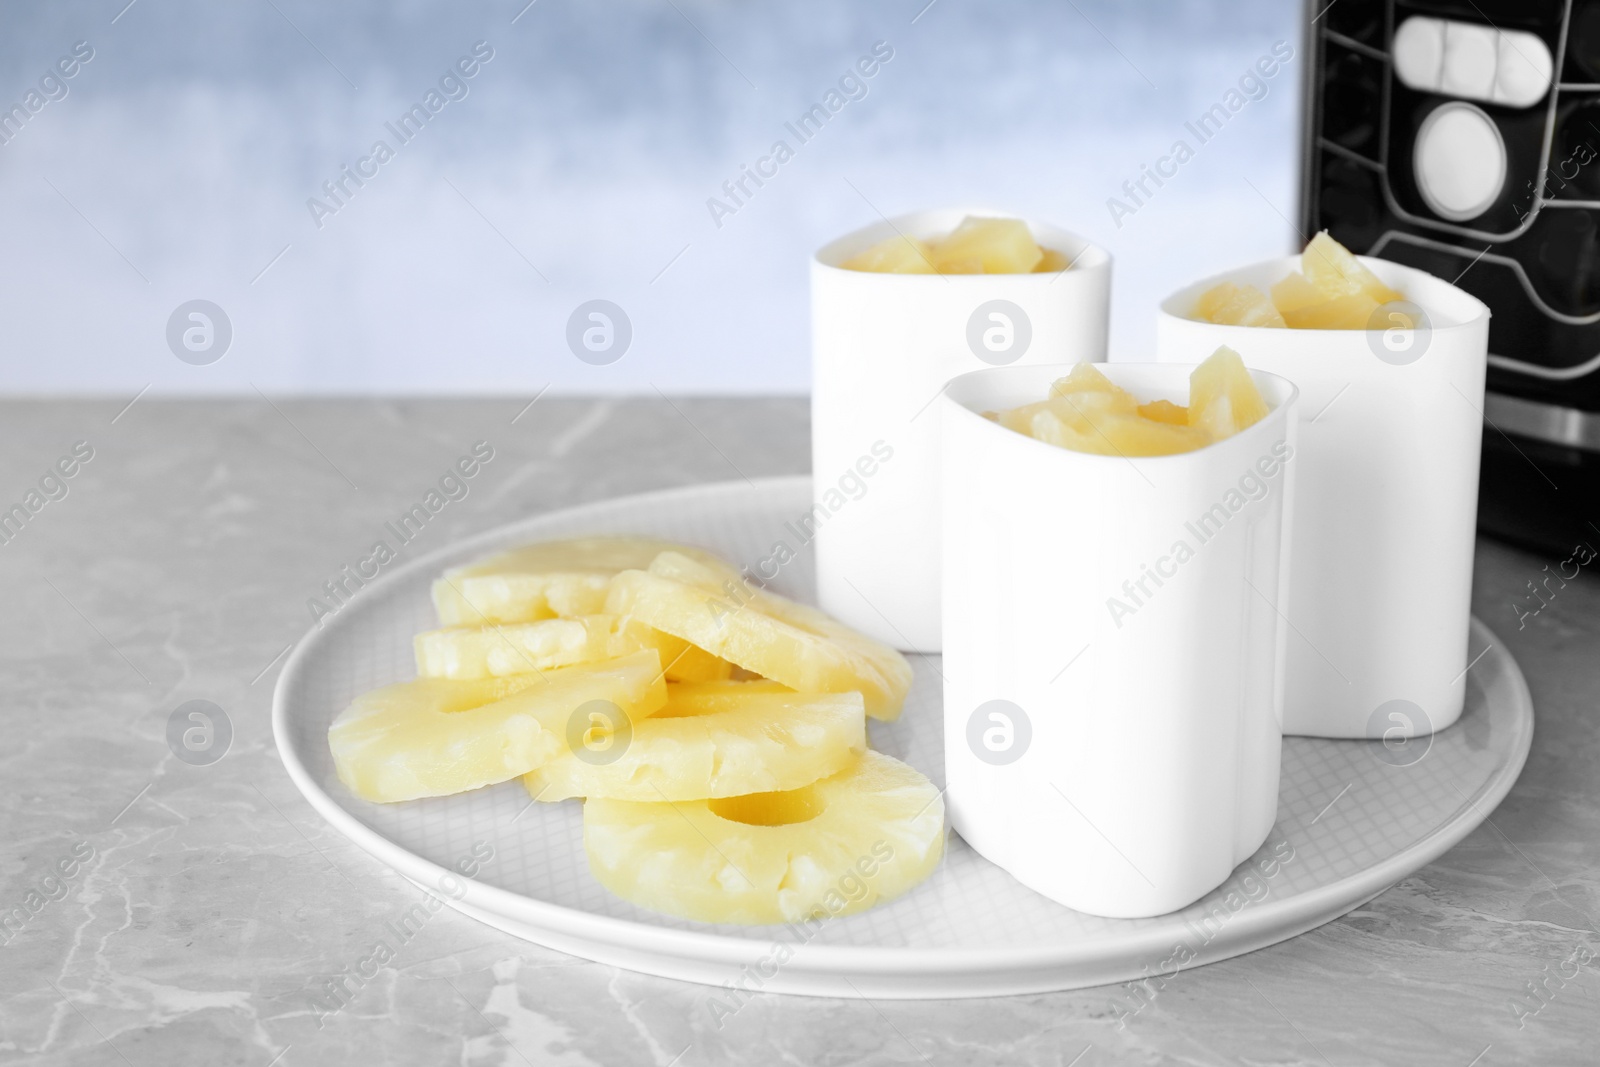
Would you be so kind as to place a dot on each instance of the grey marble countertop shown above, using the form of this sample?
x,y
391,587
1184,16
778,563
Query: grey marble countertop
x,y
200,904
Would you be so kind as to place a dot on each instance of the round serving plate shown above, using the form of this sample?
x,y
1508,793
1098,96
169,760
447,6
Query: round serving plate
x,y
1354,817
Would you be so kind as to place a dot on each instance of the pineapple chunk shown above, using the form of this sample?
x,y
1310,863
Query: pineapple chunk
x,y
994,246
719,739
1335,292
710,605
542,581
1110,434
1087,412
1053,262
1223,398
867,834
1165,411
1352,311
1330,267
1294,293
1237,305
436,736
897,255
1086,383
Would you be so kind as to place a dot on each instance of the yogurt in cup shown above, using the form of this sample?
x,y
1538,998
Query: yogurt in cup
x,y
882,347
1114,645
1391,428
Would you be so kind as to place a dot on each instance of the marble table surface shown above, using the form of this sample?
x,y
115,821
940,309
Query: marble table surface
x,y
168,913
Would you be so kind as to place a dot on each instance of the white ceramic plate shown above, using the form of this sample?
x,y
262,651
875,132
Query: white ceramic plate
x,y
1353,818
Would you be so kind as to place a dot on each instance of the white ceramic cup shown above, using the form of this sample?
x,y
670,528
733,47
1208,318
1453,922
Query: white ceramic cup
x,y
1391,425
1113,701
882,346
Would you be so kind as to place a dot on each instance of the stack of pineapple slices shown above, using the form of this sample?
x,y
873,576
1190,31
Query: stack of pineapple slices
x,y
717,731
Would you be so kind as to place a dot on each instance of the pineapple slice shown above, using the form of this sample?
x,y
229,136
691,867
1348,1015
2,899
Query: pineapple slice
x,y
1237,305
1052,262
867,834
1331,268
686,662
435,736
898,255
1223,398
718,739
467,652
993,246
711,605
1165,411
542,581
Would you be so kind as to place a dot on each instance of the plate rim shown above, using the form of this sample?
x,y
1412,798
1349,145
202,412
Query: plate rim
x,y
702,947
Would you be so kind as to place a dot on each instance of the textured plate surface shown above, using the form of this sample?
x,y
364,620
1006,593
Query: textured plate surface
x,y
1353,818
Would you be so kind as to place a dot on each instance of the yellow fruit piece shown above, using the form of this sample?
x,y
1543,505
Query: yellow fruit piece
x,y
1237,305
1087,379
1110,434
994,246
717,739
1295,293
467,652
436,736
1223,398
685,662
1165,411
542,581
711,605
1353,311
867,834
1331,268
1052,262
897,255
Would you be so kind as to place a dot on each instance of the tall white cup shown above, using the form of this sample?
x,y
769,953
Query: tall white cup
x,y
1391,426
882,346
1113,647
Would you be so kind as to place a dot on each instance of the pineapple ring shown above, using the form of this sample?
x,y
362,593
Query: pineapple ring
x,y
542,581
712,606
434,736
469,652
717,739
865,835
